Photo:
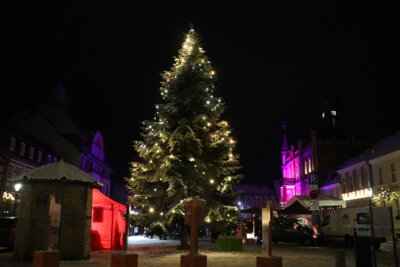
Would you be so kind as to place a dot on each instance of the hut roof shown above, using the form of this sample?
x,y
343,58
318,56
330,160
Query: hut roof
x,y
57,171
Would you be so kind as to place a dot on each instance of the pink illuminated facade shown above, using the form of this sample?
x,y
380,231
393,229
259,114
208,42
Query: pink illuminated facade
x,y
297,165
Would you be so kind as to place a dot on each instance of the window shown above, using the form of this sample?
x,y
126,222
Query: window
x,y
363,178
39,159
305,167
393,170
31,152
323,115
12,144
356,181
48,158
333,112
309,165
351,183
97,214
22,150
380,175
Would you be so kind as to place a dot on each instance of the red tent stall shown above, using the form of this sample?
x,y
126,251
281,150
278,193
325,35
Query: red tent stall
x,y
108,222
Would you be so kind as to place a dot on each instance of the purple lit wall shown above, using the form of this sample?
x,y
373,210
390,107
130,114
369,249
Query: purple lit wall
x,y
297,165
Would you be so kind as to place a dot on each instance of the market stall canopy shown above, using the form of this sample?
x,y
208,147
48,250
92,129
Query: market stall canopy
x,y
295,208
108,222
324,201
58,171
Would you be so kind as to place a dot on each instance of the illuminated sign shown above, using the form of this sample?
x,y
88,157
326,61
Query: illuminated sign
x,y
364,193
8,196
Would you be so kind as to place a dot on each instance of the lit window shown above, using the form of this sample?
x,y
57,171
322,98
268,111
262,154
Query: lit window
x,y
22,150
323,115
309,165
305,167
12,144
333,112
31,152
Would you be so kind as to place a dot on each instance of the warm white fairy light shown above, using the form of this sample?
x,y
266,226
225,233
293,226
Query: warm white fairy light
x,y
151,210
191,159
211,181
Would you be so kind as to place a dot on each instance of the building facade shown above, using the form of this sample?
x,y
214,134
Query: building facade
x,y
51,125
374,176
45,134
20,155
318,159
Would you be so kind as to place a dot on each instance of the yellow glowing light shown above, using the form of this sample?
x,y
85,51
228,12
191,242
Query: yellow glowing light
x,y
231,141
211,181
161,213
151,210
191,159
208,124
212,73
208,220
229,178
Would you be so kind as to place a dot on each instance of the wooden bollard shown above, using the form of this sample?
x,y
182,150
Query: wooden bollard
x,y
124,259
194,216
46,258
267,260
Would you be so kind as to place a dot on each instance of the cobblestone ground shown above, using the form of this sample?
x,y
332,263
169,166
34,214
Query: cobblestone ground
x,y
166,256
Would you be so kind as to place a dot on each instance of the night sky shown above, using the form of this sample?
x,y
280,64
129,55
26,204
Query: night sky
x,y
273,63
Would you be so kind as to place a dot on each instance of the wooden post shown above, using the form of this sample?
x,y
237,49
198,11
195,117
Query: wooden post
x,y
266,229
194,217
267,260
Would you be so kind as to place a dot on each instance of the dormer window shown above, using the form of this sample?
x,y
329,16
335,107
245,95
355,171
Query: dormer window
x,y
31,152
39,159
22,150
12,144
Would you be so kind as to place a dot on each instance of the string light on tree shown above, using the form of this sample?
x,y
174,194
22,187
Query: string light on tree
x,y
187,150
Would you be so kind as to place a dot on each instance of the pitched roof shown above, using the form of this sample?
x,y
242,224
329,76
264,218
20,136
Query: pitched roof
x,y
57,171
383,147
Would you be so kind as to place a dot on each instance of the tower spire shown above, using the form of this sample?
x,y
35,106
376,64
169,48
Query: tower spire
x,y
285,142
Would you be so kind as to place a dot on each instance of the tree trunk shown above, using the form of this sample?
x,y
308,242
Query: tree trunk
x,y
184,238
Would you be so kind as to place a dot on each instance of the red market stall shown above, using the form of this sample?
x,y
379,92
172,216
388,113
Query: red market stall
x,y
108,222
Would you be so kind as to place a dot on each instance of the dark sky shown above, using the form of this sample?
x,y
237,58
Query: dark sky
x,y
273,62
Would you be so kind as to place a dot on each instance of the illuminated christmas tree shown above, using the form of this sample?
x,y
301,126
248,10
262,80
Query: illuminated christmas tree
x,y
187,150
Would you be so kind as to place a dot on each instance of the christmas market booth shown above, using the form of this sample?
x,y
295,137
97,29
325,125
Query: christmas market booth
x,y
55,211
108,222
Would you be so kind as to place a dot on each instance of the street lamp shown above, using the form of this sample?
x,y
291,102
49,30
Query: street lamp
x,y
17,187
